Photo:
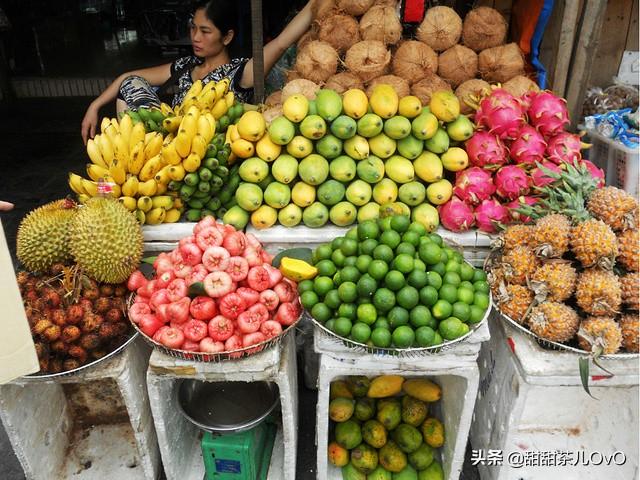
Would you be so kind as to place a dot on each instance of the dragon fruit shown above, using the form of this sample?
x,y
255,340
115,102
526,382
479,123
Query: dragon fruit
x,y
455,215
539,178
511,182
564,147
596,172
485,150
527,98
517,203
489,213
529,147
501,114
473,185
548,113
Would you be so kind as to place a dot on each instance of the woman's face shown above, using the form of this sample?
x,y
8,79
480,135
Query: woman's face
x,y
206,38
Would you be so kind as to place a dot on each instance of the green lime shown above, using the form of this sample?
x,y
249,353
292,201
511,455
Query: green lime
x,y
349,247
367,313
384,299
348,292
418,278
347,310
437,339
403,263
477,314
305,286
479,275
418,228
352,233
444,258
394,280
384,253
350,261
363,262
479,286
368,246
378,269
368,229
342,326
481,300
451,278
403,336
412,238
451,328
408,297
381,337
331,324
462,311
419,264
428,296
435,238
326,268
465,329
366,286
321,312
434,279
350,274
309,299
448,293
466,295
450,252
321,285
442,309
381,322
406,248
400,223
385,223
439,268
337,279
458,257
361,332
425,336
466,284
323,252
420,316
430,253
452,266
466,271
338,258
390,238
397,316
332,299
336,243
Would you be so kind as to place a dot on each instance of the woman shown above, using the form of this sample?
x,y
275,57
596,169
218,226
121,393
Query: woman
x,y
212,30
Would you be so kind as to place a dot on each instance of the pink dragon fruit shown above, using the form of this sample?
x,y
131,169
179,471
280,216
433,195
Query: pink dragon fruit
x,y
489,213
529,147
596,172
485,150
501,114
473,185
517,203
527,98
548,113
539,178
564,147
455,215
511,182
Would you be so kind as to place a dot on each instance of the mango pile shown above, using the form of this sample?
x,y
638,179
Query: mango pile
x,y
385,429
349,158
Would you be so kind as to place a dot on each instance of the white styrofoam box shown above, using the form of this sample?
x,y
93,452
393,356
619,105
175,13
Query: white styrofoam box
x,y
50,423
620,163
459,388
179,439
165,237
531,400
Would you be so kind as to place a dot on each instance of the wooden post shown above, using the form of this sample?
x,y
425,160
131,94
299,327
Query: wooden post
x,y
565,45
257,51
585,55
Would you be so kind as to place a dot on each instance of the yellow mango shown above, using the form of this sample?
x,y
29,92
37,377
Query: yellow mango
x,y
422,389
385,386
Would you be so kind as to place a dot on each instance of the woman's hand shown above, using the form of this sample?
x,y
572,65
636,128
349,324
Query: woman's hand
x,y
5,206
89,123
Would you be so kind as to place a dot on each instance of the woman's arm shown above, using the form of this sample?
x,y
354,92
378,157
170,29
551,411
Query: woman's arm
x,y
154,75
276,47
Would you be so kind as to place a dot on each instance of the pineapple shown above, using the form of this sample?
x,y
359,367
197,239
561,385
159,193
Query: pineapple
x,y
495,278
598,292
554,321
516,235
554,281
630,284
551,236
594,244
514,301
600,332
615,207
628,250
519,264
630,332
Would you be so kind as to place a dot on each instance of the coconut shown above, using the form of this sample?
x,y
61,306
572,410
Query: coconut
x,y
343,81
322,8
440,29
413,60
484,27
292,75
499,64
311,34
317,61
519,85
339,31
381,23
272,113
458,64
471,91
425,87
368,59
300,86
400,85
274,99
354,7
389,3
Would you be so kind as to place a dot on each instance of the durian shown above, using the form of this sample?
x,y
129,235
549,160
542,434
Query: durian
x,y
106,240
43,235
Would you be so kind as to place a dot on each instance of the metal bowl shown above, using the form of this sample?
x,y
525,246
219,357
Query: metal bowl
x,y
225,407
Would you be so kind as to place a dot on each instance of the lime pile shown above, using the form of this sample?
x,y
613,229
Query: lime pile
x,y
390,283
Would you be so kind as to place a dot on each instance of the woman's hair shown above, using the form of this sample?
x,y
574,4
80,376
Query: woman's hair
x,y
222,13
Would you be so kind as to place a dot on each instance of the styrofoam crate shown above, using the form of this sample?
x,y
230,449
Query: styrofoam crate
x,y
459,387
619,163
165,237
531,400
96,424
179,439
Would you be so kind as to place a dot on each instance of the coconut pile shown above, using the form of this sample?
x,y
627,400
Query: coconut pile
x,y
359,43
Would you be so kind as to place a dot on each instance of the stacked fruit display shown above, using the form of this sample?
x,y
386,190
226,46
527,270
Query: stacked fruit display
x,y
385,428
329,160
216,292
388,283
518,141
573,276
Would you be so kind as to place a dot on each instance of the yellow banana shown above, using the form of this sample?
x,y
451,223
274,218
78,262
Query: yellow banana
x,y
162,177
189,124
129,203
126,125
212,122
155,216
172,215
187,103
144,203
104,124
164,201
204,128
183,144
91,188
162,189
147,188
106,149
136,159
168,138
115,124
75,182
178,203
166,109
130,186
148,137
221,88
172,124
209,87
116,191
137,135
195,89
150,168
118,171
232,134
83,197
177,172
169,154
219,108
152,148
205,102
199,145
93,150
192,162
140,216
96,172
121,151
229,98
110,132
